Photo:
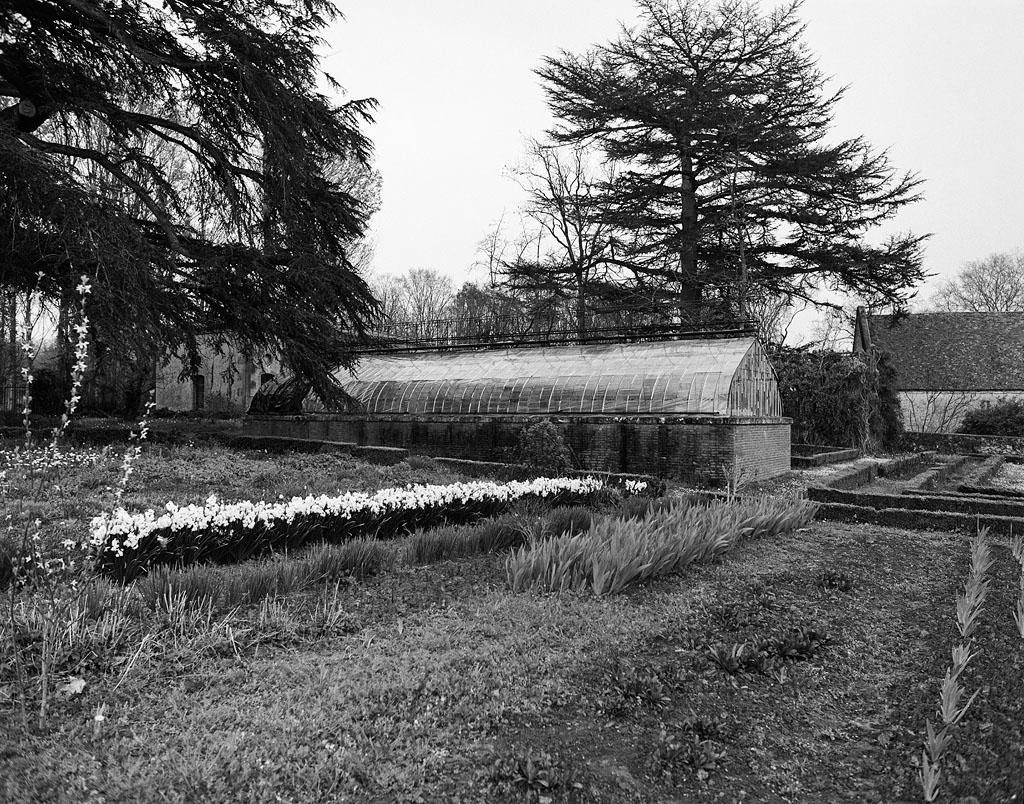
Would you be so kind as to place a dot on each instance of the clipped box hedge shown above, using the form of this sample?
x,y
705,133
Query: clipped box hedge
x,y
944,503
909,519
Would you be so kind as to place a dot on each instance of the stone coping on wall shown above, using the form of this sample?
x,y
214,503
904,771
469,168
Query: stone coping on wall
x,y
523,418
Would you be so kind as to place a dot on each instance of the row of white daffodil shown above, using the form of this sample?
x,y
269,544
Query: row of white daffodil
x,y
126,545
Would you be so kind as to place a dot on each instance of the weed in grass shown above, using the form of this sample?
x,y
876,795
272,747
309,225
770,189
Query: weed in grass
x,y
834,579
680,751
735,615
437,544
534,774
330,616
766,656
799,644
630,686
165,588
735,659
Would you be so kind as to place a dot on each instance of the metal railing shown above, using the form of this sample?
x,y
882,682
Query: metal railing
x,y
509,331
12,396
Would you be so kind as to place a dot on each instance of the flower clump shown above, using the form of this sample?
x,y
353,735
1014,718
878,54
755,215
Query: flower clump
x,y
48,458
126,545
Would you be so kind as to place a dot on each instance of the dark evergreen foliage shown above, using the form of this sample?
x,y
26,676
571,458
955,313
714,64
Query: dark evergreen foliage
x,y
839,399
718,119
1002,418
181,154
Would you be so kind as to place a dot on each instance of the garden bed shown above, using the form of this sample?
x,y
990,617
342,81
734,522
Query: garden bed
x,y
803,667
435,683
866,470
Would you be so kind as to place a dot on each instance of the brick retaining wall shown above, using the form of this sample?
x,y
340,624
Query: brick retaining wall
x,y
704,450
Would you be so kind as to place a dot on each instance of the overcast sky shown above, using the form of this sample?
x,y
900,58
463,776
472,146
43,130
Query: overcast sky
x,y
936,82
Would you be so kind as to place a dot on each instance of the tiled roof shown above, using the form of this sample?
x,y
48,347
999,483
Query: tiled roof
x,y
723,376
954,351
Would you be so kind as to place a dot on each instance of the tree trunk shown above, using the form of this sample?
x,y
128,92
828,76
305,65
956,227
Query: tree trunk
x,y
689,284
581,308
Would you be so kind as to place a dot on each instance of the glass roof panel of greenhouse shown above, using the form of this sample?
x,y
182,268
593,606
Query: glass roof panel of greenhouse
x,y
654,378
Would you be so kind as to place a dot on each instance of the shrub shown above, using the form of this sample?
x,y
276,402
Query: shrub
x,y
1002,418
421,462
541,446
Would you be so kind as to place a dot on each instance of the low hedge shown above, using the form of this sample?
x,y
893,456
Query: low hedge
x,y
951,504
992,491
278,444
855,478
805,457
904,464
910,519
862,475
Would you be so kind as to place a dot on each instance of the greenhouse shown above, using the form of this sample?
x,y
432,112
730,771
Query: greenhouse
x,y
727,377
703,410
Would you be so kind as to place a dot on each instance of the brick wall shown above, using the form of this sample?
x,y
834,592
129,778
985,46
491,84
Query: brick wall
x,y
703,450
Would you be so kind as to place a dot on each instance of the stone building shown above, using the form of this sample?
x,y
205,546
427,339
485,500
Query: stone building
x,y
703,410
948,363
226,381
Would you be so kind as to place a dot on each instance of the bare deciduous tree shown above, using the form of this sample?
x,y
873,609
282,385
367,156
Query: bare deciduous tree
x,y
568,247
418,296
992,285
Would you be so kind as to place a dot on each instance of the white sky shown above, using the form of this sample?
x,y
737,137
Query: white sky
x,y
940,83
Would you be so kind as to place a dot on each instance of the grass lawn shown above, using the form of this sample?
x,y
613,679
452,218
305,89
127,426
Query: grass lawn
x,y
436,683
